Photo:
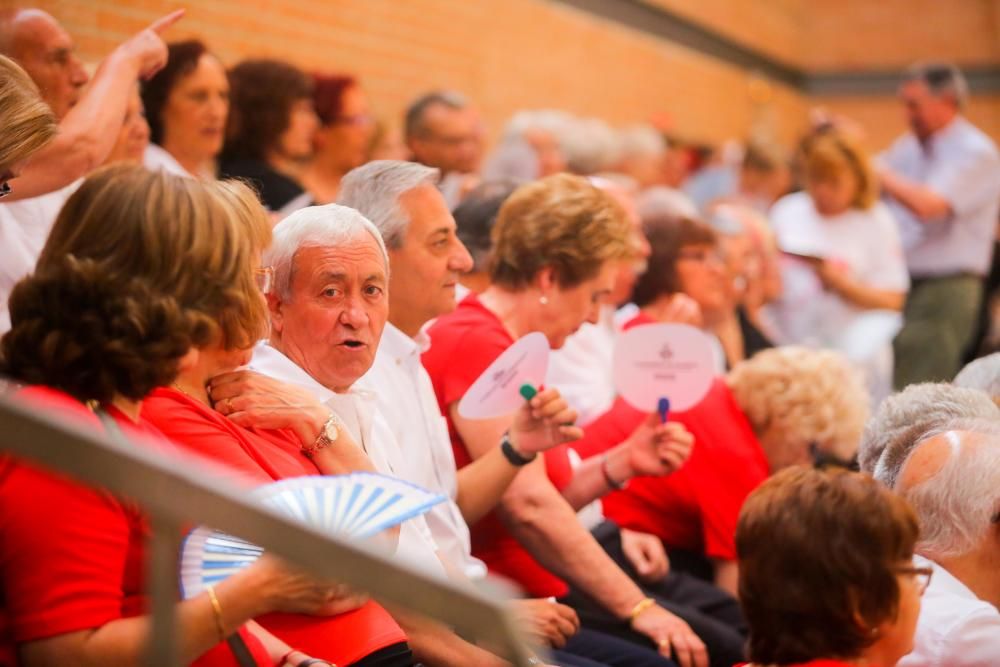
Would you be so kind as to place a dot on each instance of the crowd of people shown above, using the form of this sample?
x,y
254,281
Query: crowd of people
x,y
245,267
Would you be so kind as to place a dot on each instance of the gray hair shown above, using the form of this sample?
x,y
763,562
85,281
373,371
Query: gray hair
x,y
906,417
942,79
957,504
414,125
641,141
982,374
315,226
590,146
661,200
374,189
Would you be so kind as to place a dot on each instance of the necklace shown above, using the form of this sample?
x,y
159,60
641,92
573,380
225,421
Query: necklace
x,y
181,389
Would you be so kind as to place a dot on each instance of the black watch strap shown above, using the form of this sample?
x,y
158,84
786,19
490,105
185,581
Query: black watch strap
x,y
512,454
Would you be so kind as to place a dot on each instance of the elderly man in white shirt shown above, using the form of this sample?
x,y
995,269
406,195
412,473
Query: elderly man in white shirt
x,y
942,182
952,479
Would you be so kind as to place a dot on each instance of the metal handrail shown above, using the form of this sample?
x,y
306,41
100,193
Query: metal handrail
x,y
179,490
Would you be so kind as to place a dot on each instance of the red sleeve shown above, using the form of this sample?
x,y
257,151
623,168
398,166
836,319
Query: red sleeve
x,y
472,354
63,554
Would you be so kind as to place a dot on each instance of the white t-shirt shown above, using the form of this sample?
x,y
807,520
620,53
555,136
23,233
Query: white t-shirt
x,y
358,410
867,243
405,397
955,628
24,228
157,158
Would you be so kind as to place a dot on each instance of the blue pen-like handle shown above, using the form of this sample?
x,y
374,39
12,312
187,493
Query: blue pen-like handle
x,y
663,407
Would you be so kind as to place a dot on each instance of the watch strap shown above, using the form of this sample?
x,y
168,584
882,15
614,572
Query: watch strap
x,y
512,455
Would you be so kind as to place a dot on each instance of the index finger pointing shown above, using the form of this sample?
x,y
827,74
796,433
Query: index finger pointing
x,y
161,24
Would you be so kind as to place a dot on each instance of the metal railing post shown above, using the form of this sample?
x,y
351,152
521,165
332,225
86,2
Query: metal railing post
x,y
162,563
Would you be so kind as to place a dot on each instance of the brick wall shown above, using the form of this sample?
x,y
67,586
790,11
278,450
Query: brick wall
x,y
512,54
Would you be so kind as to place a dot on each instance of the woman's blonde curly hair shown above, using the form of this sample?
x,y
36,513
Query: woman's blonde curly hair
x,y
809,396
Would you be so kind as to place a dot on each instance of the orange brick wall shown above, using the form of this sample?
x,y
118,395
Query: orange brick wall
x,y
512,54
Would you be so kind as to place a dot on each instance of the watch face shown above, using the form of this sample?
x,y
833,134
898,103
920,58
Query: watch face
x,y
330,431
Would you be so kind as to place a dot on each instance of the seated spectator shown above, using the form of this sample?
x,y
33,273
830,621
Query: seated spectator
x,y
28,123
126,285
530,147
589,145
474,220
344,136
764,176
443,130
982,374
272,126
187,104
844,272
643,155
827,573
905,416
558,244
278,431
785,406
133,138
953,482
89,124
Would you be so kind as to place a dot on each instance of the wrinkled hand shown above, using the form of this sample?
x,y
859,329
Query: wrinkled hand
x,y
291,591
548,622
544,422
672,636
658,449
254,400
682,309
146,49
646,554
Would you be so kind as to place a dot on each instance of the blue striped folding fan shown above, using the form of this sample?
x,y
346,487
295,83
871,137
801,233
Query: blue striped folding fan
x,y
358,505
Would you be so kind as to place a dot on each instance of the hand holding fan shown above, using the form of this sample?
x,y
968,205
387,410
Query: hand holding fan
x,y
659,367
357,505
501,390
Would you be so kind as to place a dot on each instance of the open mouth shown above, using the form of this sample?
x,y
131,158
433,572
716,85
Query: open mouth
x,y
352,344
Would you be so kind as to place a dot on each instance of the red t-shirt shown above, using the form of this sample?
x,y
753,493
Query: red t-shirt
x,y
72,558
264,456
697,507
463,345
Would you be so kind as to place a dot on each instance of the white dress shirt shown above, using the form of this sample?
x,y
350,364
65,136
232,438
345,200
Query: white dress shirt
x,y
359,411
24,228
955,629
960,163
405,397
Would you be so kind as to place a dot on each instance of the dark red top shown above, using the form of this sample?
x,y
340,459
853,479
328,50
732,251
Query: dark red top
x,y
695,508
463,345
263,457
73,558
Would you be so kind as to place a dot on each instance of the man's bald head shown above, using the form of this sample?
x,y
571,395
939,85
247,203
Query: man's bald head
x,y
952,479
45,50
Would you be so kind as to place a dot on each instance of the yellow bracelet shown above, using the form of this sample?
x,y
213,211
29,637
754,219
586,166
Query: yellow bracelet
x,y
217,611
640,606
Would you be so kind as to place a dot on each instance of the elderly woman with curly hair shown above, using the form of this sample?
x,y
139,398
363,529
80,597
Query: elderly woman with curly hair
x,y
827,577
783,407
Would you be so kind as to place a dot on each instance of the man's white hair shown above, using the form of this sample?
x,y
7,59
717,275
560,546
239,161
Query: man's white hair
x,y
662,200
316,226
590,146
957,505
907,416
641,141
982,374
374,189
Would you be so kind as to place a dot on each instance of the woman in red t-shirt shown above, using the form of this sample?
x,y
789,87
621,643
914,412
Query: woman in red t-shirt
x,y
558,244
827,577
120,295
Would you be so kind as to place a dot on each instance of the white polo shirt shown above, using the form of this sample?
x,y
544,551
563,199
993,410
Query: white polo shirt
x,y
955,629
360,413
405,398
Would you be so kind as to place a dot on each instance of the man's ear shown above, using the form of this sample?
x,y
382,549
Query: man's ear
x,y
275,307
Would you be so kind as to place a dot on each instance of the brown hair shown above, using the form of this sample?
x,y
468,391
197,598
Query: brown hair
x,y
139,267
667,234
818,552
828,155
328,95
182,59
26,122
261,95
562,222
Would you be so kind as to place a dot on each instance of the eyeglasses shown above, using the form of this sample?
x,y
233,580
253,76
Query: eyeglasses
x,y
922,575
5,189
264,277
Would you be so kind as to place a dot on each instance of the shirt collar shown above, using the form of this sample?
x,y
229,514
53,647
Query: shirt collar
x,y
269,361
401,347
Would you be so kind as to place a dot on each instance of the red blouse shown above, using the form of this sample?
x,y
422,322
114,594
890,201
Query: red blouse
x,y
695,508
265,456
463,345
72,558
